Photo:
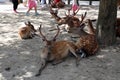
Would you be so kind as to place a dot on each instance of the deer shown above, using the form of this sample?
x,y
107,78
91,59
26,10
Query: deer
x,y
56,51
87,41
62,20
27,32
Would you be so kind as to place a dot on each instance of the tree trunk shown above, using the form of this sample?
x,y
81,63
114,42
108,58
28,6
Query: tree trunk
x,y
106,33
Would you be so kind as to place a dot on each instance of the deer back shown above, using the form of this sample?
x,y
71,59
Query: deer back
x,y
88,43
61,49
58,49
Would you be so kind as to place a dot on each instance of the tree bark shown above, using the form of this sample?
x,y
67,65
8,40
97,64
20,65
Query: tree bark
x,y
106,33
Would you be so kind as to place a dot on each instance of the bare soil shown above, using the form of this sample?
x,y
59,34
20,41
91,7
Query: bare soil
x,y
19,59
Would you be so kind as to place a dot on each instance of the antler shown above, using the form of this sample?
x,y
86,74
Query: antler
x,y
76,11
44,38
57,33
83,17
68,12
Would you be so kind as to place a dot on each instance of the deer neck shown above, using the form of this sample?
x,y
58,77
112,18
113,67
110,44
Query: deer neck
x,y
81,32
78,31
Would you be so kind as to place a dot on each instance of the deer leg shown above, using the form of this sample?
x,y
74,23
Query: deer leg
x,y
73,52
57,61
82,53
43,65
28,37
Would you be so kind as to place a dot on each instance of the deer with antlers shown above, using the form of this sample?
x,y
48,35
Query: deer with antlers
x,y
56,51
27,32
62,20
87,41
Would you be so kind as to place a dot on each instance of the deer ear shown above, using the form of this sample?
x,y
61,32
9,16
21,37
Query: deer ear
x,y
29,22
25,23
82,25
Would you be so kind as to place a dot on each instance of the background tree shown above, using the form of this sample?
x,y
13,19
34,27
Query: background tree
x,y
106,33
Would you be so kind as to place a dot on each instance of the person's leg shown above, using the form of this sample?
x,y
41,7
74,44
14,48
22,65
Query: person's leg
x,y
36,13
27,13
15,5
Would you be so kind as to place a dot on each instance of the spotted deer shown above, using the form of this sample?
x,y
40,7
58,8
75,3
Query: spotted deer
x,y
87,41
56,51
27,32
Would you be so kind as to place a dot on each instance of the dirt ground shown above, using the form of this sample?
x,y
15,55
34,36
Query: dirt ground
x,y
19,59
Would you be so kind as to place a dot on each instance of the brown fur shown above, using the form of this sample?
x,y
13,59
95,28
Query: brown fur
x,y
56,51
58,19
87,41
27,32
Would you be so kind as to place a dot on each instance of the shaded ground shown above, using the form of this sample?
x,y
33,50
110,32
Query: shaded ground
x,y
19,59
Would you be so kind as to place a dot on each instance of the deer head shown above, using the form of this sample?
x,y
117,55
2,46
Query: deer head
x,y
76,26
56,50
28,24
27,32
48,42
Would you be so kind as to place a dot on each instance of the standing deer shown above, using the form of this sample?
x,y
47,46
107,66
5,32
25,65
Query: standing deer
x,y
56,51
27,32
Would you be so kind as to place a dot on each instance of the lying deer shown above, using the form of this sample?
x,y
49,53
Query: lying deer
x,y
87,41
56,51
62,20
27,32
